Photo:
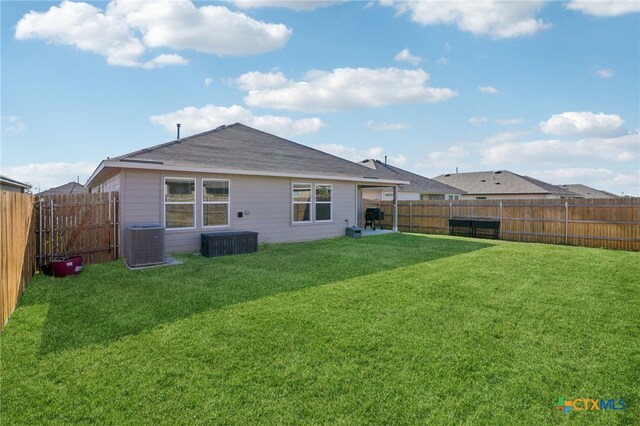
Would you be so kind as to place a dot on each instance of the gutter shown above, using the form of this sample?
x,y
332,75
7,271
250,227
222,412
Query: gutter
x,y
148,165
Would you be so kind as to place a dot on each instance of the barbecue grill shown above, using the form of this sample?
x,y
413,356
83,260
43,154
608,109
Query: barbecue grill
x,y
372,217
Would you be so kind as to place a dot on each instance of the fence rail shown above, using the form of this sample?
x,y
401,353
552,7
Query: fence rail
x,y
613,223
17,249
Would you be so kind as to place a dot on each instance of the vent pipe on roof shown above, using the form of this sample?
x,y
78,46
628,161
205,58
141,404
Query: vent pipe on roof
x,y
178,126
385,159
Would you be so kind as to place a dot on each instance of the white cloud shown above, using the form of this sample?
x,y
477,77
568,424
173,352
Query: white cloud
x,y
343,89
14,124
493,18
583,123
603,72
126,29
604,8
357,155
455,152
405,56
179,24
385,127
85,27
509,121
502,137
163,60
438,162
443,60
477,121
195,120
555,151
298,5
208,81
258,81
490,90
43,176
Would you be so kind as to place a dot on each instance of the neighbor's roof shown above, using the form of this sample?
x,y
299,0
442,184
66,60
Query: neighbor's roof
x,y
501,182
12,182
588,192
417,183
67,188
238,149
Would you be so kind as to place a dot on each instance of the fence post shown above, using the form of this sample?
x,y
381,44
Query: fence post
x,y
566,223
500,219
410,216
450,209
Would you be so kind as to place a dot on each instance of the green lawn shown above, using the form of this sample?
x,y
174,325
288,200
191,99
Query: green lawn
x,y
394,329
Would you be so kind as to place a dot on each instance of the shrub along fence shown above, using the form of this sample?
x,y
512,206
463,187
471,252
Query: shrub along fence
x,y
37,229
609,223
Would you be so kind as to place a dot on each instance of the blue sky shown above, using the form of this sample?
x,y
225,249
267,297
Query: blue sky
x,y
547,89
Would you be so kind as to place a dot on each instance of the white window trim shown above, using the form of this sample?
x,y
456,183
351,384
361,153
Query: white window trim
x,y
316,202
310,202
165,202
228,203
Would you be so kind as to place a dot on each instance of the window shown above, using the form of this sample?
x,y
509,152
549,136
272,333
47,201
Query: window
x,y
179,202
215,202
453,197
323,203
301,202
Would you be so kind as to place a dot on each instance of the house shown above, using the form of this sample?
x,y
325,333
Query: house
x,y
66,189
12,185
503,184
236,178
588,192
418,188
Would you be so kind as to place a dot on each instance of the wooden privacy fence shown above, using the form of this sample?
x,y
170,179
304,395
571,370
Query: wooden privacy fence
x,y
608,223
36,230
17,249
78,224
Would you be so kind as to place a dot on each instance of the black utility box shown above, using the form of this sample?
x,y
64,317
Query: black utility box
x,y
225,243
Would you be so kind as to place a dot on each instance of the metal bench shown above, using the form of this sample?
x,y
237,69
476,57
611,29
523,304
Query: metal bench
x,y
493,225
470,227
465,224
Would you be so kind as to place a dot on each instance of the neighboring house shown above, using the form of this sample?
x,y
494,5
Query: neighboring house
x,y
503,184
236,178
588,192
66,189
8,184
418,188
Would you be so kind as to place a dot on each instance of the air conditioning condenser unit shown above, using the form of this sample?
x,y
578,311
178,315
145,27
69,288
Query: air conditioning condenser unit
x,y
144,245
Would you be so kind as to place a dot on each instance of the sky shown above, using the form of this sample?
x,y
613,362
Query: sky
x,y
547,89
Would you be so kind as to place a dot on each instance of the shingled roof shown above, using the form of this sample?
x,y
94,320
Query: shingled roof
x,y
237,148
66,189
502,182
417,183
589,192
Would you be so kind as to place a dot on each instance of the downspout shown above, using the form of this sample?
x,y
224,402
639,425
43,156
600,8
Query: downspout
x,y
395,208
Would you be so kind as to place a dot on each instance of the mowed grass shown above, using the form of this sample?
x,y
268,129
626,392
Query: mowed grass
x,y
394,329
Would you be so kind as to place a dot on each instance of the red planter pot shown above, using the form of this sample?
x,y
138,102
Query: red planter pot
x,y
71,266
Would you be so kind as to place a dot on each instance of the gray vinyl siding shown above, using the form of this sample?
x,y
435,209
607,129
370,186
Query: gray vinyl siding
x,y
112,184
266,199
